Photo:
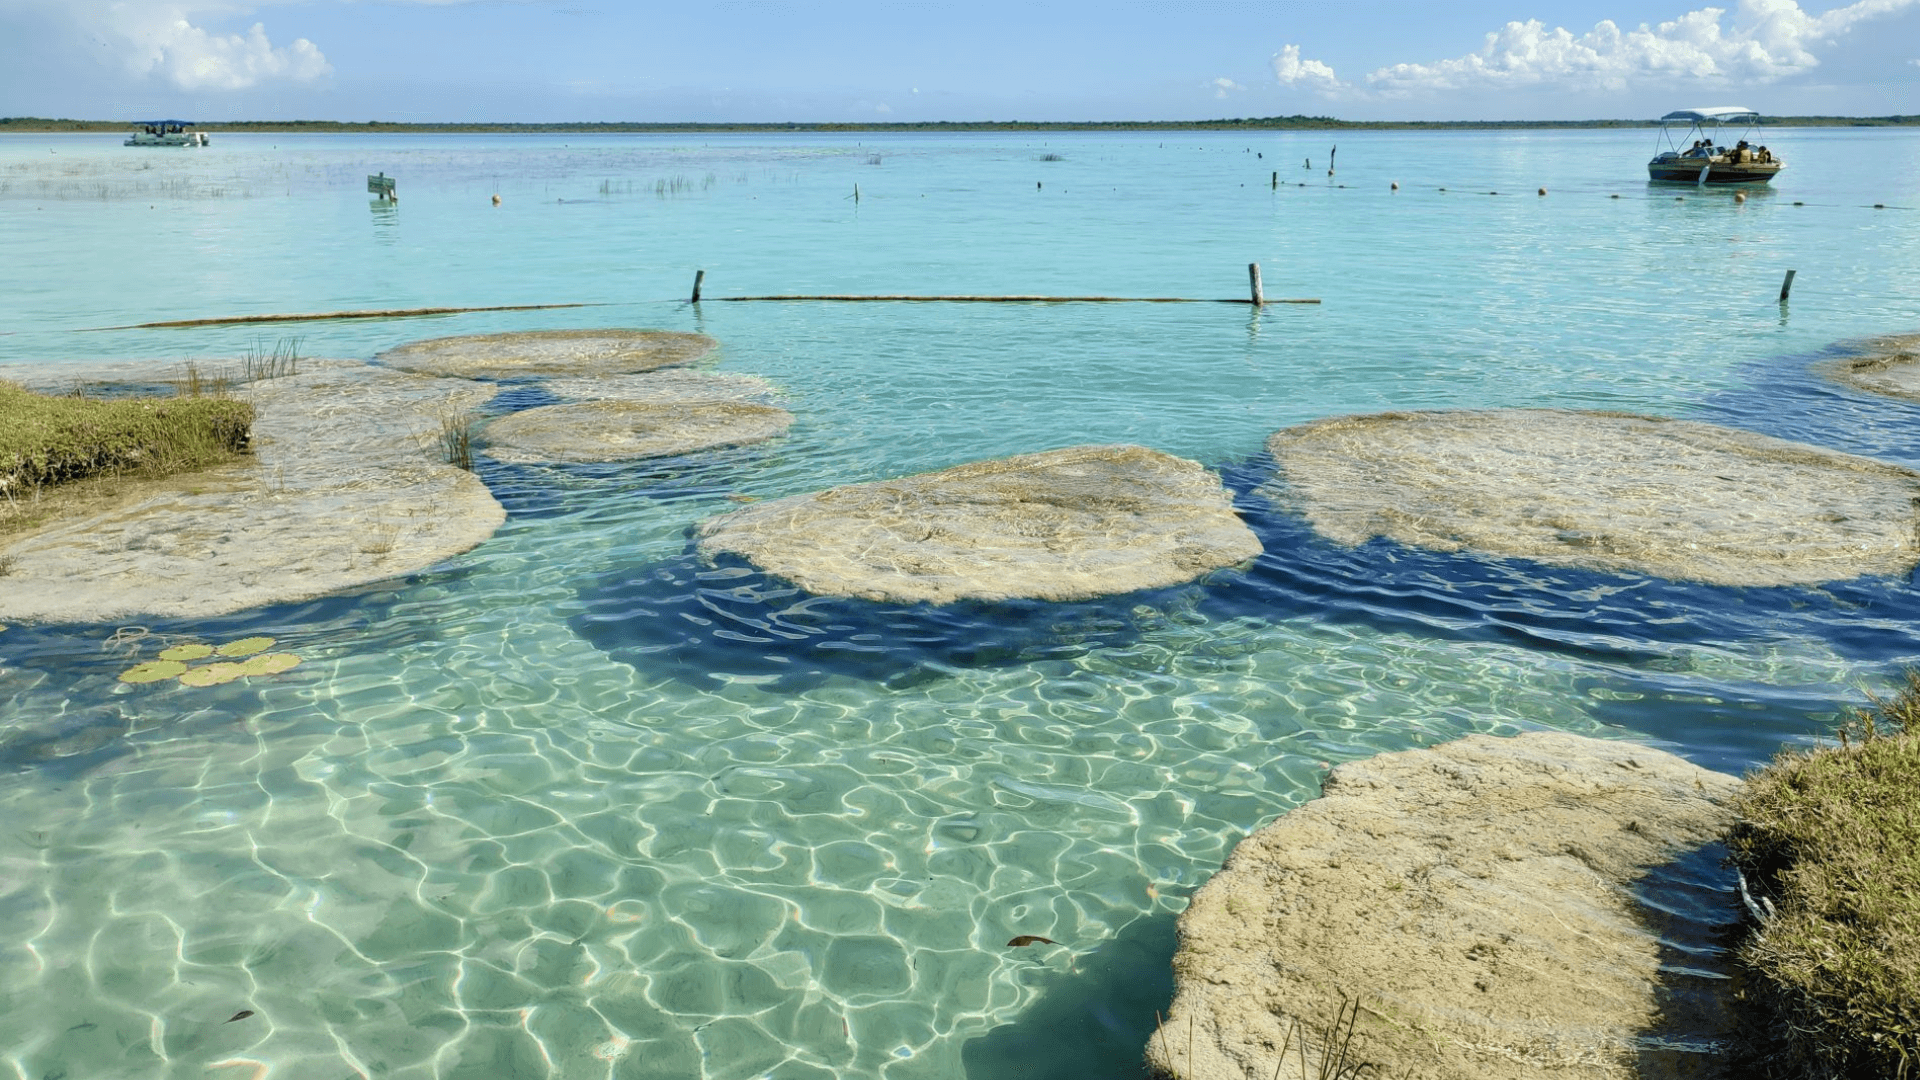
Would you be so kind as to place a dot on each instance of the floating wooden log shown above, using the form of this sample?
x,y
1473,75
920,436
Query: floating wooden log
x,y
393,313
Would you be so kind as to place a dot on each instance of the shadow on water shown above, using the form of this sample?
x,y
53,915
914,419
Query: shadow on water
x,y
704,623
1621,619
1692,905
1090,1023
1790,398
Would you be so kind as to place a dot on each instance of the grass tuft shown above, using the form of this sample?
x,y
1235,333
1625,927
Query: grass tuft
x,y
261,363
47,441
1829,843
456,437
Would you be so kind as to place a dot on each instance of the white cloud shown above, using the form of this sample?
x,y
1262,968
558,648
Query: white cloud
x,y
170,40
1223,85
1312,74
1765,40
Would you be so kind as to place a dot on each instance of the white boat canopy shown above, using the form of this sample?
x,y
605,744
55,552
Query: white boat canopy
x,y
1718,112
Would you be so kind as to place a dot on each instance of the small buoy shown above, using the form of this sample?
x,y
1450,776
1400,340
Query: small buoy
x,y
1879,206
1036,185
1493,193
496,200
1396,186
1679,198
1798,203
1543,191
1613,196
1739,197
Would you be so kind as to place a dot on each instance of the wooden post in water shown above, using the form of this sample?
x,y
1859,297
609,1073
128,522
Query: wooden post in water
x,y
1253,282
1787,285
1276,180
698,277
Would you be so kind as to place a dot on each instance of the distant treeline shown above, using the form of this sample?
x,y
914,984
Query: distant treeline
x,y
1259,123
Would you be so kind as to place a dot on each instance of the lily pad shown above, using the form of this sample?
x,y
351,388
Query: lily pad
x,y
192,650
152,671
272,663
211,675
246,646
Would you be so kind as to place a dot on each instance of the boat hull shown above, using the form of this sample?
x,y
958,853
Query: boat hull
x,y
1683,172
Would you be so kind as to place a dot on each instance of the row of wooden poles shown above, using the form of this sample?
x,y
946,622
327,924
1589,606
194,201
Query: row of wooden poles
x,y
1256,296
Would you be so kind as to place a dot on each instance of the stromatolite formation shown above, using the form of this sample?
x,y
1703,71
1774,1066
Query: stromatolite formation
x,y
1889,366
1608,491
1067,524
1476,898
345,488
591,431
549,353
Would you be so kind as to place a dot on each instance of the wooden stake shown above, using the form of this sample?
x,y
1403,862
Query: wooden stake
x,y
1276,181
1787,285
698,277
1253,282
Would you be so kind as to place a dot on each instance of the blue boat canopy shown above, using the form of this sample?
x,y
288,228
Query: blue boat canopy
x,y
163,123
1721,113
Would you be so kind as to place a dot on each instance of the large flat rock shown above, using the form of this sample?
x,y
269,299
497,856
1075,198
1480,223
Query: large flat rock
x,y
345,488
1067,524
538,354
1607,491
1476,898
1889,366
590,431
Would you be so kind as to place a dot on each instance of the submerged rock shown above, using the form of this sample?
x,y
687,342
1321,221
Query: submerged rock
x,y
1069,524
344,489
1478,898
1888,366
548,353
627,430
660,387
1606,491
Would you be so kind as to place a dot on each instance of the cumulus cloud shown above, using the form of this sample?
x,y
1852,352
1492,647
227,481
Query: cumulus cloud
x,y
1765,40
1223,85
1311,74
170,40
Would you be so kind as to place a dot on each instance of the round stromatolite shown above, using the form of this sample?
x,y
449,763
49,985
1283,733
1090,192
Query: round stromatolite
x,y
1481,899
1889,366
1607,491
625,430
548,353
1068,524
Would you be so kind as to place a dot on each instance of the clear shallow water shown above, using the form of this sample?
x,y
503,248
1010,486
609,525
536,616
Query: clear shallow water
x,y
551,809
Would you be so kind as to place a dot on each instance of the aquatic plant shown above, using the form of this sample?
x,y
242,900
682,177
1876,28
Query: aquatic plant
x,y
47,440
269,663
245,646
192,384
1826,848
456,437
192,650
212,674
153,671
261,363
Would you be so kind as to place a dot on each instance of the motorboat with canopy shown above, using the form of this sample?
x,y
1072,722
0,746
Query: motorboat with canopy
x,y
166,133
1702,156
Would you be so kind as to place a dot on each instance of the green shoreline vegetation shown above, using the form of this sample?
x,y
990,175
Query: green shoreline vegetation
x,y
1830,841
49,442
1266,123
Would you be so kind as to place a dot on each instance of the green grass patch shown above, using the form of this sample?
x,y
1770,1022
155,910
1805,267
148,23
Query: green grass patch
x,y
1829,844
49,441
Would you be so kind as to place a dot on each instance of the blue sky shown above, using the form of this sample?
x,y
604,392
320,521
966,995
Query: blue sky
x,y
755,60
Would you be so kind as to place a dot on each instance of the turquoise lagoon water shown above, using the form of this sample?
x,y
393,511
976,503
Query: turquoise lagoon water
x,y
575,805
